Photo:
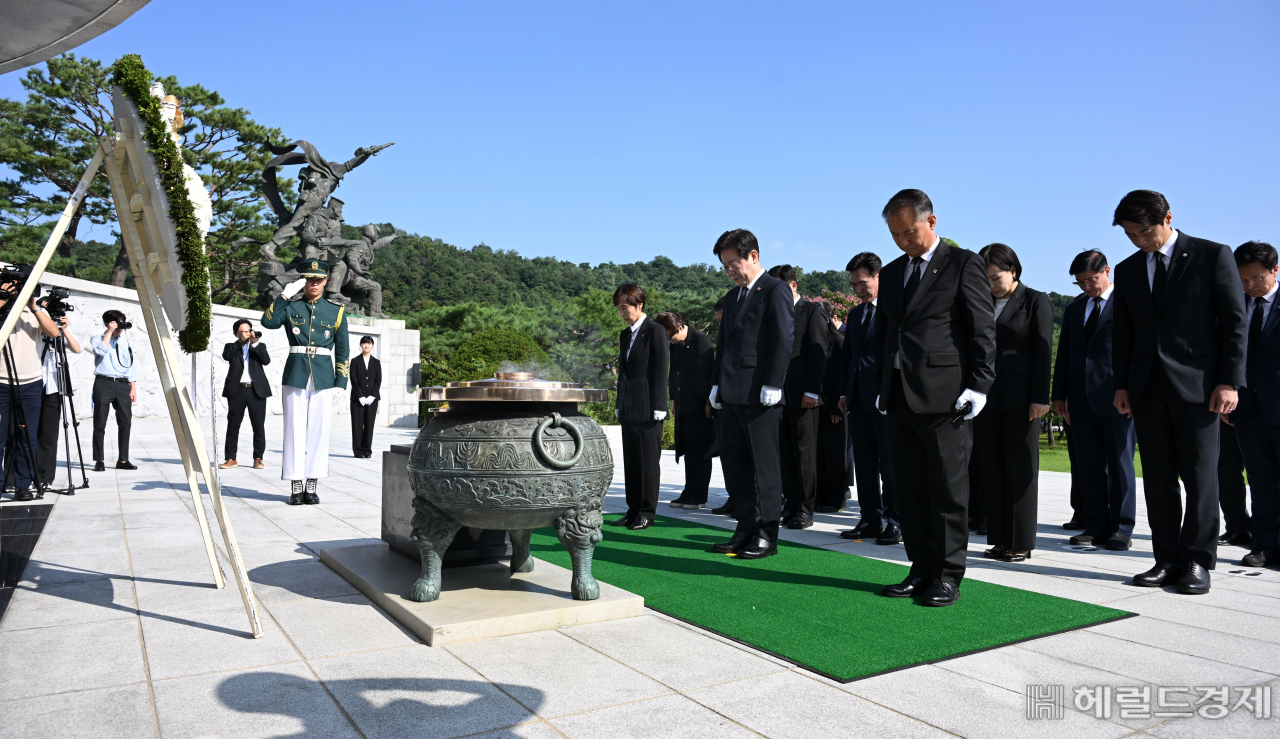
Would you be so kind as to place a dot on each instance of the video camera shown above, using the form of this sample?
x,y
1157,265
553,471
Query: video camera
x,y
56,304
12,278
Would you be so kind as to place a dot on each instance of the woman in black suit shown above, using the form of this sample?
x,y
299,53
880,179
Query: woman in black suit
x,y
642,404
690,384
1007,432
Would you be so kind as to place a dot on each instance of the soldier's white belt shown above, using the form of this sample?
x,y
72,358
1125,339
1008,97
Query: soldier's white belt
x,y
311,350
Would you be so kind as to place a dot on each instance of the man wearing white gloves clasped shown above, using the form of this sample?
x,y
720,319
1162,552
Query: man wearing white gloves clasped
x,y
366,381
753,351
935,353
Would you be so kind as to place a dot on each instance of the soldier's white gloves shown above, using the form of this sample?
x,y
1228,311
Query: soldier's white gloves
x,y
715,390
659,415
971,396
770,395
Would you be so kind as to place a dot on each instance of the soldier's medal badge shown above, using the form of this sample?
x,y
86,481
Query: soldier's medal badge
x,y
296,330
326,333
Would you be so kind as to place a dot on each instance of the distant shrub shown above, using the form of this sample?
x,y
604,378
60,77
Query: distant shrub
x,y
487,350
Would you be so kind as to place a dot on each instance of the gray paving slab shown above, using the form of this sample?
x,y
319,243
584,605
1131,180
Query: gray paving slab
x,y
122,712
1190,610
416,691
788,705
61,659
553,675
672,654
281,701
1236,725
211,640
533,730
333,626
1261,656
297,580
667,717
61,567
85,601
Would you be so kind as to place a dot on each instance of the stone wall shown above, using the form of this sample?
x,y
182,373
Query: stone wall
x,y
394,345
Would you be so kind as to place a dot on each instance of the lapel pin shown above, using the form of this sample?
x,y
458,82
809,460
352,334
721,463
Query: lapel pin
x,y
935,271
1184,253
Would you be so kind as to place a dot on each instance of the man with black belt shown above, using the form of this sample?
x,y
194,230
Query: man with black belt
x,y
1083,390
1178,348
366,386
801,396
868,428
1257,419
752,354
114,386
246,388
935,351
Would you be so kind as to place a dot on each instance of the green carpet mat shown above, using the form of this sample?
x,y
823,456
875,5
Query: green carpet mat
x,y
816,608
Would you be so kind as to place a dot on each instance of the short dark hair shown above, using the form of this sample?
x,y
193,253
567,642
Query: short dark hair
x,y
630,293
1257,251
112,315
740,240
671,321
1143,207
867,260
1003,258
1089,260
784,272
719,306
915,200
366,339
235,328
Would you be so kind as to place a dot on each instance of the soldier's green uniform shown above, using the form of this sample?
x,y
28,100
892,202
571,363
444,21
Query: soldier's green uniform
x,y
318,365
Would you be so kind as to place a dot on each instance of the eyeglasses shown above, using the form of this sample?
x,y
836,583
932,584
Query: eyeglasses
x,y
862,284
1087,281
1257,280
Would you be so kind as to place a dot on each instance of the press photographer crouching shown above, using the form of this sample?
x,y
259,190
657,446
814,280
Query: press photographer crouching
x,y
22,377
114,385
58,393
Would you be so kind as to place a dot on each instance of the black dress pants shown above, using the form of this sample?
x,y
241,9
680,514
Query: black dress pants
x,y
642,466
1008,448
21,459
1260,444
833,459
931,475
1231,488
362,427
47,438
110,393
749,455
869,435
1077,490
1178,439
243,398
799,437
1104,465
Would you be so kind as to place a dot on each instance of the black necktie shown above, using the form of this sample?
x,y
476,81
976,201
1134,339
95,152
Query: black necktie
x,y
913,281
1255,335
1091,323
1157,284
866,322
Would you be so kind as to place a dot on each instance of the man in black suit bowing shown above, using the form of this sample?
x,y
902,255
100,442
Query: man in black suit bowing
x,y
246,390
868,428
366,391
752,354
1083,393
643,357
1178,350
935,351
801,396
1257,418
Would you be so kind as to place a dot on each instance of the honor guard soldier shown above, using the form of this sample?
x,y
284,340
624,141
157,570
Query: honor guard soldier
x,y
317,366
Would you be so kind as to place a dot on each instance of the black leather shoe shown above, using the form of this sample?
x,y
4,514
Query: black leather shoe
x,y
679,502
24,495
739,541
1154,577
311,497
1082,539
787,516
1012,556
941,594
861,531
827,509
759,549
125,464
800,521
641,522
297,499
1073,525
626,520
1119,542
1258,558
891,535
1194,580
724,510
99,467
1240,539
904,589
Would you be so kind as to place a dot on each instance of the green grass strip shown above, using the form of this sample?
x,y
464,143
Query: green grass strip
x,y
818,608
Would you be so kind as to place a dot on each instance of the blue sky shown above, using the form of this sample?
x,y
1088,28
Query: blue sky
x,y
601,132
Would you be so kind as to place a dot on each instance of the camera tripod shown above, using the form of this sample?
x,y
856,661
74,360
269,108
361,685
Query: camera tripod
x,y
21,441
68,411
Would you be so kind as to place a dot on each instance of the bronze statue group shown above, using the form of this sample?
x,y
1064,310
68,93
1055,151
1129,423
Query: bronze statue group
x,y
937,388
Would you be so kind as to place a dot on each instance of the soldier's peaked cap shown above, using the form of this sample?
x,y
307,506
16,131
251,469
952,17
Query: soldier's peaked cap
x,y
313,269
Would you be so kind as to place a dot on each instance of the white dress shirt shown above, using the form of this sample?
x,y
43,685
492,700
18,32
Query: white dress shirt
x,y
1106,295
1167,251
634,328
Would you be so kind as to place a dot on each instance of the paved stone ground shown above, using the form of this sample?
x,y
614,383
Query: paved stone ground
x,y
116,631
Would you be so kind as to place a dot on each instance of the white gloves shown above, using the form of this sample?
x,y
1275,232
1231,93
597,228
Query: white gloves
x,y
971,396
770,395
366,400
715,390
616,414
659,415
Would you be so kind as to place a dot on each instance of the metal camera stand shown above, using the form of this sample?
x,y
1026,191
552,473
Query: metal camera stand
x,y
68,410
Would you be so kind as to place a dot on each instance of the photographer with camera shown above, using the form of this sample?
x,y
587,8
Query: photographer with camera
x,y
114,385
21,375
246,387
57,386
